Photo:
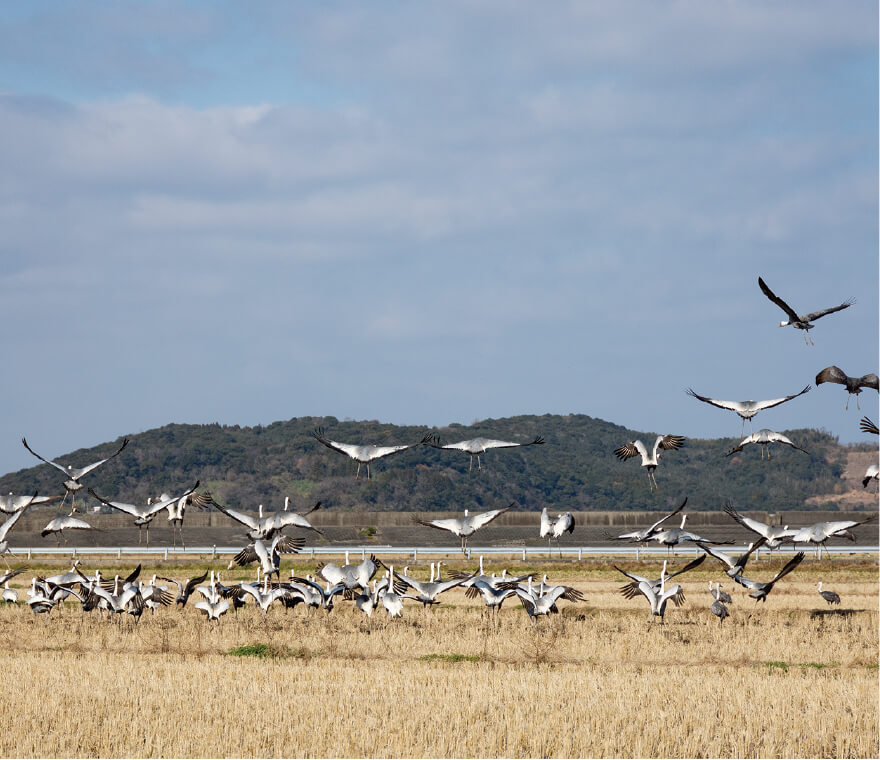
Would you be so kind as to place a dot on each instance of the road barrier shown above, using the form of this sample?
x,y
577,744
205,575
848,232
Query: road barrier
x,y
522,552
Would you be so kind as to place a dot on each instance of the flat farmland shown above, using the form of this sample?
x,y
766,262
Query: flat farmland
x,y
790,678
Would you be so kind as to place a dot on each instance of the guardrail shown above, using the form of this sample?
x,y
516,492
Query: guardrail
x,y
521,552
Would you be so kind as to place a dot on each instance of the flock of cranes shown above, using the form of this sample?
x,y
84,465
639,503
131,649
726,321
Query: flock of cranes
x,y
268,542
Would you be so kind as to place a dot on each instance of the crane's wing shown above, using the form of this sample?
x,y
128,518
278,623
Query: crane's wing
x,y
166,502
689,566
870,381
789,566
866,425
377,452
484,518
667,442
816,314
779,438
665,518
831,374
545,523
240,517
452,524
288,545
630,450
635,578
283,519
758,405
10,522
734,405
129,509
747,522
192,583
493,444
792,314
88,468
47,461
132,576
309,511
348,449
245,556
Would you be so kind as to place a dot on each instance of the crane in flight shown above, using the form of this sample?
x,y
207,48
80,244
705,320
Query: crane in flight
x,y
745,409
74,474
363,454
477,446
800,321
465,527
649,461
764,438
853,385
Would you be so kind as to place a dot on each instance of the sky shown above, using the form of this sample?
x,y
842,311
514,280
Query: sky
x,y
427,213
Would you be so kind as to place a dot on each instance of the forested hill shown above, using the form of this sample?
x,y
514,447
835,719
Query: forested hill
x,y
574,470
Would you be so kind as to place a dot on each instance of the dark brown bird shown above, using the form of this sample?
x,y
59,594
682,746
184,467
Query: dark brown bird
x,y
853,385
800,321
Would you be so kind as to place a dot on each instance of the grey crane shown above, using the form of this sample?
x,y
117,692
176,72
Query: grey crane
x,y
542,601
657,598
352,577
629,590
775,535
672,537
186,587
75,474
428,591
759,590
649,461
555,527
266,526
718,594
478,446
364,454
800,321
719,610
177,511
829,596
854,385
745,409
464,527
143,516
820,532
734,565
643,534
764,438
269,556
63,523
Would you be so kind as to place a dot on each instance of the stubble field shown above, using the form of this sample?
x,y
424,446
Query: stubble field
x,y
791,678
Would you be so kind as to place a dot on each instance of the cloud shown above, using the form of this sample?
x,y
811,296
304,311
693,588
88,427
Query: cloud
x,y
585,194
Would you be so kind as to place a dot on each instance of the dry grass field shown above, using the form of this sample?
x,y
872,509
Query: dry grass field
x,y
790,679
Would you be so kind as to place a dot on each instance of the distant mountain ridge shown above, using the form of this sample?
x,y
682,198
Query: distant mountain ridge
x,y
574,470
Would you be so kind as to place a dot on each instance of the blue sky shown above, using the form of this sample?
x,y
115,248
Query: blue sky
x,y
427,213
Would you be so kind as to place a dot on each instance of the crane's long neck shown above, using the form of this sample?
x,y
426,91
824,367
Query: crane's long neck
x,y
432,573
481,564
286,502
683,519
